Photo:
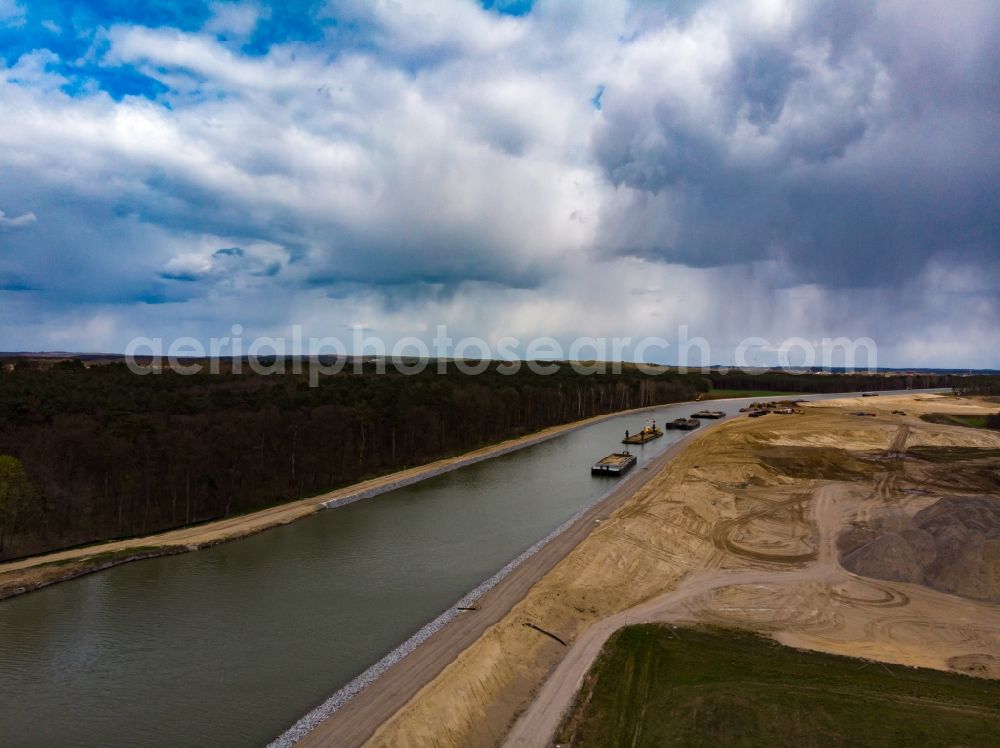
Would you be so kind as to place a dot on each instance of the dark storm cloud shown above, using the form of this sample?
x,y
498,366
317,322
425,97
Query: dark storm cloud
x,y
763,78
853,145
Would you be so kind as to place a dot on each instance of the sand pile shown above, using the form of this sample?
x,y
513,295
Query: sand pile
x,y
952,545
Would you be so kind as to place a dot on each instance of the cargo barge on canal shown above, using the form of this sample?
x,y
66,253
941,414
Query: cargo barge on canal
x,y
647,434
713,414
684,424
614,465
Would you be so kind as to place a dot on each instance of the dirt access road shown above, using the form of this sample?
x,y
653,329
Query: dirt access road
x,y
538,724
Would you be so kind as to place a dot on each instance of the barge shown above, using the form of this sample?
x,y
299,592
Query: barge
x,y
772,406
647,434
684,424
714,414
614,465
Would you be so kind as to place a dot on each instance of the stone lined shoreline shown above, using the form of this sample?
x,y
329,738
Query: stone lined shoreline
x,y
299,730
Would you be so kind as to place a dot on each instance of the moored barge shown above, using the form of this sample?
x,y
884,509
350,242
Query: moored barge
x,y
684,424
614,464
647,434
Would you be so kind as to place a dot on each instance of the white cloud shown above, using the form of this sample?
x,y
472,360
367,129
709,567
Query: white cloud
x,y
233,19
33,72
229,264
469,170
15,222
434,27
12,13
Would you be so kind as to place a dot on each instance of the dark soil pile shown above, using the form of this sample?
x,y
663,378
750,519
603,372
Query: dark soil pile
x,y
952,545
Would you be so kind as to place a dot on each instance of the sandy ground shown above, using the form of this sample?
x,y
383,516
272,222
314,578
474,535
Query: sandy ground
x,y
739,529
31,573
912,404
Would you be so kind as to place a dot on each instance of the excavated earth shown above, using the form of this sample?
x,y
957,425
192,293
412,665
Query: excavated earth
x,y
953,546
875,537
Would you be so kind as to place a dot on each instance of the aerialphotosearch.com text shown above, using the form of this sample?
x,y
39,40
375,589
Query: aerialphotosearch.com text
x,y
326,356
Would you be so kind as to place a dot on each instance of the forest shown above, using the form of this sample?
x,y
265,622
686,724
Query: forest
x,y
93,451
986,386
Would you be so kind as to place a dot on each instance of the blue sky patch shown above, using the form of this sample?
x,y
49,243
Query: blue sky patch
x,y
509,7
596,101
284,22
72,30
118,82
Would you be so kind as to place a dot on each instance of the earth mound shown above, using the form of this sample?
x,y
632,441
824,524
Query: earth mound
x,y
952,546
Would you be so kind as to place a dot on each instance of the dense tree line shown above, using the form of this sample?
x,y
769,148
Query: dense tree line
x,y
17,498
111,454
98,452
979,385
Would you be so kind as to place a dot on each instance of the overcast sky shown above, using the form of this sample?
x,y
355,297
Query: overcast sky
x,y
560,168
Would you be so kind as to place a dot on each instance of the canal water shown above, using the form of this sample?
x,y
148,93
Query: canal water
x,y
230,645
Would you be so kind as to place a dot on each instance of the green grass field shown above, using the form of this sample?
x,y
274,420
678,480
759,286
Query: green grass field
x,y
952,454
721,394
653,686
976,422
